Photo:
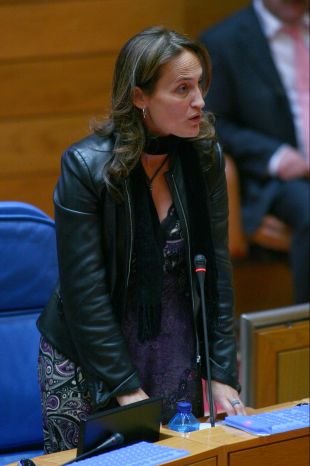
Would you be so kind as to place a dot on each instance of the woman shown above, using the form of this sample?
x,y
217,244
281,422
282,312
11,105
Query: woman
x,y
135,202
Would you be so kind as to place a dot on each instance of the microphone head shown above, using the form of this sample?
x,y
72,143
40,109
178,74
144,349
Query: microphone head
x,y
118,438
200,262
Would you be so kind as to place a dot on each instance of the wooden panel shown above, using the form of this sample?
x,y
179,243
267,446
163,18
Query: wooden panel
x,y
36,189
53,458
35,145
57,86
291,364
207,462
200,14
261,285
268,343
41,29
292,452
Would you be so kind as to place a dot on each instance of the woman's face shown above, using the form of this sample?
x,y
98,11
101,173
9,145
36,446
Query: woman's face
x,y
176,103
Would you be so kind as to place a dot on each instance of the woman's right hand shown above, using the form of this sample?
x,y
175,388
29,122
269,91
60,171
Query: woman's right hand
x,y
137,395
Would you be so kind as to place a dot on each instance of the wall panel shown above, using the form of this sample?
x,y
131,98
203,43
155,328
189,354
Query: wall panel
x,y
36,189
200,14
52,87
56,63
47,28
36,144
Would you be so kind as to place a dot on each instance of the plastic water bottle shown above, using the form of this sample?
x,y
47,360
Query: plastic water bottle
x,y
184,420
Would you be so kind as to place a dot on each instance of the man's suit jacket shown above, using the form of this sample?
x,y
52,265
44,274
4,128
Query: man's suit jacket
x,y
253,117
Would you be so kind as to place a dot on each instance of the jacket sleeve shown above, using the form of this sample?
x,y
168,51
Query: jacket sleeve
x,y
92,324
222,340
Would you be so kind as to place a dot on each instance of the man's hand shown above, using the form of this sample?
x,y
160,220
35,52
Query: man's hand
x,y
292,165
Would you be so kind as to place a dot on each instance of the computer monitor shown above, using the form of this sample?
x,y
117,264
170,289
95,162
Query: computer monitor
x,y
135,422
271,340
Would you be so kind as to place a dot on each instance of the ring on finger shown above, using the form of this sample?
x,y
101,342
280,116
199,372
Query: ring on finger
x,y
235,402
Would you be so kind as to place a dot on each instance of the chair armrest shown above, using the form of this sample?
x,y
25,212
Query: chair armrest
x,y
238,245
272,234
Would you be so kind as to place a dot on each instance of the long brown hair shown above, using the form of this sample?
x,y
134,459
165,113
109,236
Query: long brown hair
x,y
139,64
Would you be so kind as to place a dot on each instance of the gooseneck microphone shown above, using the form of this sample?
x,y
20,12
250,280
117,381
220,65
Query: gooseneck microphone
x,y
200,269
112,441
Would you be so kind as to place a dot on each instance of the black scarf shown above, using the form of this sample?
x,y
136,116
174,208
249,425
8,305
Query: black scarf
x,y
149,243
148,247
155,145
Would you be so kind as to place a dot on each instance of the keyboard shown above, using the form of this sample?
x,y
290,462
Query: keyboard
x,y
138,454
273,422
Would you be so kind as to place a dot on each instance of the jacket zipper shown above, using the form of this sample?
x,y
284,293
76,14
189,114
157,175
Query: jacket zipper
x,y
198,356
131,234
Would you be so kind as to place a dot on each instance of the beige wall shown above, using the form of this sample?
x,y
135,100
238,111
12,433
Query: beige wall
x,y
56,61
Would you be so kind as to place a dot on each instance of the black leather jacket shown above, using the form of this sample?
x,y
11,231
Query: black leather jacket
x,y
95,242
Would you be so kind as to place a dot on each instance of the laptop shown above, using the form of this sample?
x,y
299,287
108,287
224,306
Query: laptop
x,y
136,422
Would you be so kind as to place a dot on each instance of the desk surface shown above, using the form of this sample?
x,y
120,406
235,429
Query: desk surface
x,y
223,445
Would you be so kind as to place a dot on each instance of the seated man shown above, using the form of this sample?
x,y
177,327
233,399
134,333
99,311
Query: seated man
x,y
260,97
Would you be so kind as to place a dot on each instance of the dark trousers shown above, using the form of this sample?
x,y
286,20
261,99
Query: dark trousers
x,y
292,206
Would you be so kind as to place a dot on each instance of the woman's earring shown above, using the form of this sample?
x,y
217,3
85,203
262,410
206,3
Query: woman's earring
x,y
144,113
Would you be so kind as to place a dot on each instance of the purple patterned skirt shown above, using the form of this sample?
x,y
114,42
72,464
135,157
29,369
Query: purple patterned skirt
x,y
64,399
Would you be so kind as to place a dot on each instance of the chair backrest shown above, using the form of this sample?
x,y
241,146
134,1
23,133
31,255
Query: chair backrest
x,y
28,274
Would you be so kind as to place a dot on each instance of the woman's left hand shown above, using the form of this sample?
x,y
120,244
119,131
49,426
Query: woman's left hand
x,y
228,398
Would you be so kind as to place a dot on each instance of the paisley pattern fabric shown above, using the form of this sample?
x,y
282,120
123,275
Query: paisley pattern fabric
x,y
64,398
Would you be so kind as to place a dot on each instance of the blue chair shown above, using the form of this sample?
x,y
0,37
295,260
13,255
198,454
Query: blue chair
x,y
28,274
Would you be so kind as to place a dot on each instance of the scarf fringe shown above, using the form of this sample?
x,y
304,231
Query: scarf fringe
x,y
149,322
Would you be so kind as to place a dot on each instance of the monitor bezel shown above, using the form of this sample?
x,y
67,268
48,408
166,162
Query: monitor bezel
x,y
136,421
249,323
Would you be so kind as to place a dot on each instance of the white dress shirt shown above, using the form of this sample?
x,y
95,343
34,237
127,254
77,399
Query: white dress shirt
x,y
282,51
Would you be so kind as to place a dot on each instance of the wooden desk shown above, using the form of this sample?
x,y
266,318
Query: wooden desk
x,y
224,446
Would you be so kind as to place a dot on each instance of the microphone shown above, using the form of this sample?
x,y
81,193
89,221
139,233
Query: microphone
x,y
200,269
112,441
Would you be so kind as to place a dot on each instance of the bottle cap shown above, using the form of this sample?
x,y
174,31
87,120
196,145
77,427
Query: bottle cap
x,y
184,407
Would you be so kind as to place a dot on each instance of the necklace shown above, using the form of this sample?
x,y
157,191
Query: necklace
x,y
157,171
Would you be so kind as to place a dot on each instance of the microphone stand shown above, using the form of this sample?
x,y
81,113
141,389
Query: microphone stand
x,y
112,441
200,269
